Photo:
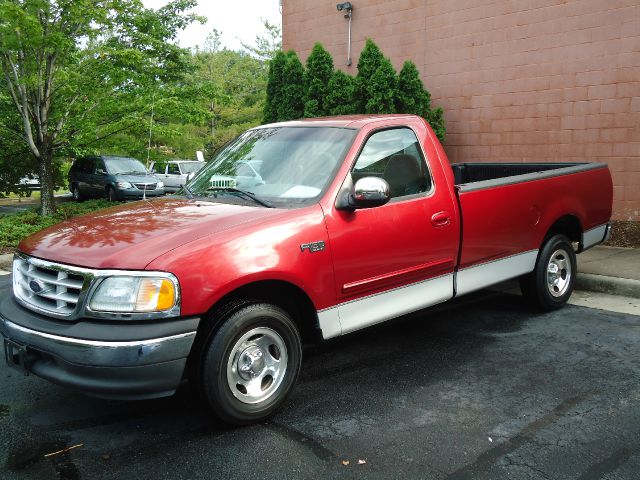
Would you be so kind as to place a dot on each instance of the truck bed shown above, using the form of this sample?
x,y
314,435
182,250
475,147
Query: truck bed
x,y
507,208
475,176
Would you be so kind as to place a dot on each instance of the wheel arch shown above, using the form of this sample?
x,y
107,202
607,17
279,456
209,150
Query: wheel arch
x,y
568,225
281,293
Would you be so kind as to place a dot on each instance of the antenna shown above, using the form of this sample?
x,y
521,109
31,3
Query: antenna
x,y
146,170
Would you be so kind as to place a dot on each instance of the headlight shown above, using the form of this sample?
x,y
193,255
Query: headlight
x,y
123,184
135,294
160,184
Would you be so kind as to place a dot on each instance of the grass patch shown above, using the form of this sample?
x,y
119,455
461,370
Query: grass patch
x,y
32,197
16,226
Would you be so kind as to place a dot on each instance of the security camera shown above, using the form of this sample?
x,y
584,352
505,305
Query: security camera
x,y
344,6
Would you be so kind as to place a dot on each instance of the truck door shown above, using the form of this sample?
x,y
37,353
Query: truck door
x,y
399,257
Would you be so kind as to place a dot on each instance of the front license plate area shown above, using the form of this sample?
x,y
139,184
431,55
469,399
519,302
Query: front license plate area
x,y
16,356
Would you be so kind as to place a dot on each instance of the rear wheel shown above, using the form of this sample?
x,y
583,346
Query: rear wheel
x,y
251,363
550,285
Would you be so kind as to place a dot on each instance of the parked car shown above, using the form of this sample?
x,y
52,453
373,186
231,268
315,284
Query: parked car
x,y
30,181
116,178
295,232
175,173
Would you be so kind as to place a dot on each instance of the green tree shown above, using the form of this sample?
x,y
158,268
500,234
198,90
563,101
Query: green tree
x,y
371,58
317,77
381,89
436,120
74,66
266,44
340,94
292,105
275,87
413,98
411,95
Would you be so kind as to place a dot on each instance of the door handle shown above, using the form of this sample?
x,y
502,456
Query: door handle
x,y
440,219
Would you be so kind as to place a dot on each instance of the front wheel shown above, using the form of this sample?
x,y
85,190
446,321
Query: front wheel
x,y
75,193
550,285
111,194
251,364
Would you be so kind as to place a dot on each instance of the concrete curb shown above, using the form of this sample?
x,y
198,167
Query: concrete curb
x,y
605,284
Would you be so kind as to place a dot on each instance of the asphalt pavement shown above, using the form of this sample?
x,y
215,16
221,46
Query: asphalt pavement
x,y
481,389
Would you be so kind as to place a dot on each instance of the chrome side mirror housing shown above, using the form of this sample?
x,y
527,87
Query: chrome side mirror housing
x,y
367,192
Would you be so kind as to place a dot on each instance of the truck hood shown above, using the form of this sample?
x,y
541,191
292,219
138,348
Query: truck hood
x,y
131,236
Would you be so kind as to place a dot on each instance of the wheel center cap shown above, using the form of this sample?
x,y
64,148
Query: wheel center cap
x,y
251,362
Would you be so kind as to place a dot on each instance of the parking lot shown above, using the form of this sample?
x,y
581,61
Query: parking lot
x,y
480,389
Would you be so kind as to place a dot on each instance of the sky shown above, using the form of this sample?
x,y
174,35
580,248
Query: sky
x,y
238,20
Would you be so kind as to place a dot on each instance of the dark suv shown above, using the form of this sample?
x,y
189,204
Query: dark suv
x,y
116,178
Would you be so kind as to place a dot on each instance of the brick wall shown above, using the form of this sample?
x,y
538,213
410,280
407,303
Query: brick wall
x,y
519,80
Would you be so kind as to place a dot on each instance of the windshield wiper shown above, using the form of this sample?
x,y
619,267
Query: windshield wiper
x,y
244,193
132,173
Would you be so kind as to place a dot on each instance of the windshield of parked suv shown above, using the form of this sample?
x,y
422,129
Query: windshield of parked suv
x,y
124,165
191,167
280,166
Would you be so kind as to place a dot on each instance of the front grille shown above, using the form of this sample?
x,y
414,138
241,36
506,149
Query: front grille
x,y
145,186
222,183
45,286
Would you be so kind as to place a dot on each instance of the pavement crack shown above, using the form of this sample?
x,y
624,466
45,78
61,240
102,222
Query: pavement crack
x,y
309,443
485,461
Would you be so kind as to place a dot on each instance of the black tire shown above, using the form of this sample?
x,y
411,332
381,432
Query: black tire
x,y
251,337
76,194
111,194
551,283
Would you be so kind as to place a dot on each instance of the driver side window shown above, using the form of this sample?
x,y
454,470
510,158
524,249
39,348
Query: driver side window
x,y
395,156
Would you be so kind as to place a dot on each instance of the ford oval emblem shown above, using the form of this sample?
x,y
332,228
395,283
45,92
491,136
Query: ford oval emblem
x,y
35,286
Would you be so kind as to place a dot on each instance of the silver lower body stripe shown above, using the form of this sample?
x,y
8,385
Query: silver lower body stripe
x,y
596,235
364,312
490,273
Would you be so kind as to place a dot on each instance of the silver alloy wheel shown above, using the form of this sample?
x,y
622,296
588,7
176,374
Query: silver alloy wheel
x,y
256,365
559,273
75,193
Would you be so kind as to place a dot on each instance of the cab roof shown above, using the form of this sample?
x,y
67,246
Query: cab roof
x,y
344,121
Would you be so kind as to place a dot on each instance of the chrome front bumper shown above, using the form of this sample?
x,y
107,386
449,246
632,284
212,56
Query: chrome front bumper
x,y
124,361
101,353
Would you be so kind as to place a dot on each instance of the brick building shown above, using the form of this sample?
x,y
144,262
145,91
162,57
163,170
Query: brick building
x,y
519,80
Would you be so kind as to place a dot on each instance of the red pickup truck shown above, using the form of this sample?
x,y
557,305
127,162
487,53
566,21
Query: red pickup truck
x,y
294,232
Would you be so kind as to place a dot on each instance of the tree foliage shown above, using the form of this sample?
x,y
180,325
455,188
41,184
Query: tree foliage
x,y
380,90
266,44
293,91
275,87
375,89
339,99
79,70
317,77
412,96
371,58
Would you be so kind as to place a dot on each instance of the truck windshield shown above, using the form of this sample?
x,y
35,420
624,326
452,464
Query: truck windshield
x,y
283,166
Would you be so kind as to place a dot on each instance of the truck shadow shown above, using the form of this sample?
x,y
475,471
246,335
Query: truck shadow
x,y
414,350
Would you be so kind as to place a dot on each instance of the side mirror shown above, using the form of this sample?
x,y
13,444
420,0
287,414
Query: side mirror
x,y
100,171
368,192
